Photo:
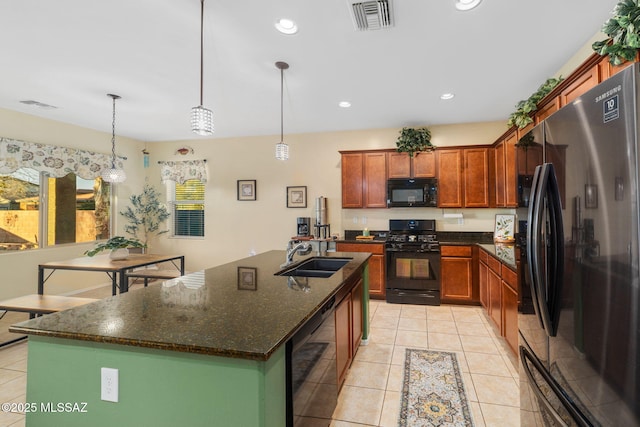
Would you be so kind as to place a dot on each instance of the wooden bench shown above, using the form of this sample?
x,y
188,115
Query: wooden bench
x,y
43,304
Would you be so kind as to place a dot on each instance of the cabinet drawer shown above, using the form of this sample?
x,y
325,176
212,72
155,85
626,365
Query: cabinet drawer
x,y
376,249
510,277
460,251
484,256
494,264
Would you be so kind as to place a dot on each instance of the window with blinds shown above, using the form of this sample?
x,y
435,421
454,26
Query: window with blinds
x,y
188,209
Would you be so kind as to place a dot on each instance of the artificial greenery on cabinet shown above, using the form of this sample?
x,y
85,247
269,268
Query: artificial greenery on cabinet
x,y
623,31
522,116
414,140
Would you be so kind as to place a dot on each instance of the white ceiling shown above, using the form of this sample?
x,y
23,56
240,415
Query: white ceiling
x,y
71,53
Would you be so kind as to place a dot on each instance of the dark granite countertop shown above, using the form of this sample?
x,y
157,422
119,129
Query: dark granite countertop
x,y
504,252
209,312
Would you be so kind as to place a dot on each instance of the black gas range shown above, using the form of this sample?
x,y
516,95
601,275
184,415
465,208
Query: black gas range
x,y
413,262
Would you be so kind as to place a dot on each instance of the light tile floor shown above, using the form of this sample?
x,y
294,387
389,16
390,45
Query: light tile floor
x,y
371,394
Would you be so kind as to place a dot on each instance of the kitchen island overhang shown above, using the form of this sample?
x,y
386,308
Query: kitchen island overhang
x,y
220,350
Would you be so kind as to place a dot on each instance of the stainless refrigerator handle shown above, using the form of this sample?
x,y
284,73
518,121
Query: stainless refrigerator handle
x,y
525,357
533,242
556,260
528,360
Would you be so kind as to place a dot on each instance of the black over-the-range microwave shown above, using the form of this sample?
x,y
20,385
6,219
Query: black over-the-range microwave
x,y
417,192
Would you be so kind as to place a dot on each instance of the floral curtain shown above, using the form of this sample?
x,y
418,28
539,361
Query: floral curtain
x,y
53,160
183,171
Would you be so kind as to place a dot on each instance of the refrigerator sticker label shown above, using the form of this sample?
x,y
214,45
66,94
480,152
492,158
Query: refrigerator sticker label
x,y
610,109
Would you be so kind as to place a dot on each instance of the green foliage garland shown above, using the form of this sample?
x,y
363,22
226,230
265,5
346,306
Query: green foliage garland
x,y
522,116
412,140
623,29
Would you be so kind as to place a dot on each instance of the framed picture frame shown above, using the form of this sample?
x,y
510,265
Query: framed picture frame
x,y
246,189
590,196
247,279
504,231
297,197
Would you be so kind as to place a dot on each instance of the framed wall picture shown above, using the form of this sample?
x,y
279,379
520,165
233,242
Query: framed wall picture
x,y
246,189
297,197
590,196
247,280
504,228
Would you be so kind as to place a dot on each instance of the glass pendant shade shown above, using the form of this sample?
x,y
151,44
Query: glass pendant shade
x,y
282,151
201,121
113,175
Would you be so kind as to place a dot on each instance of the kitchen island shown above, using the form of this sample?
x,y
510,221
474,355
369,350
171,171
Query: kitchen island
x,y
204,349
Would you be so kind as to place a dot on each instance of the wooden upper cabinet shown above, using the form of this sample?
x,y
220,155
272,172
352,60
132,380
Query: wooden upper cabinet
x,y
450,179
421,165
547,109
511,171
352,180
375,180
424,165
585,82
477,177
499,157
399,165
364,180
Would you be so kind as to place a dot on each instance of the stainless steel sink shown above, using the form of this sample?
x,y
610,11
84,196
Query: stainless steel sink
x,y
315,267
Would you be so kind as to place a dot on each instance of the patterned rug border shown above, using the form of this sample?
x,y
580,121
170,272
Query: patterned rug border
x,y
464,406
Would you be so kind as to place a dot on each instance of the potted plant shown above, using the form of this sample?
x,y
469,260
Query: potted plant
x,y
414,140
145,215
118,246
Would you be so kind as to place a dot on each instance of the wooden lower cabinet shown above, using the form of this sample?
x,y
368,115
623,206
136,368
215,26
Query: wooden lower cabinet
x,y
377,265
495,298
510,315
344,354
499,296
356,316
349,327
458,283
483,279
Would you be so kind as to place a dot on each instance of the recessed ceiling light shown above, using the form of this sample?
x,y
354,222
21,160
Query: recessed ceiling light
x,y
446,96
344,104
467,4
286,26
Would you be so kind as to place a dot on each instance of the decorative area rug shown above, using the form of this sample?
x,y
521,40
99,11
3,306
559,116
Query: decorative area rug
x,y
433,392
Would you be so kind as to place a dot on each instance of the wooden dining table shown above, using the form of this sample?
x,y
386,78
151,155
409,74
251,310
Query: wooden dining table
x,y
116,269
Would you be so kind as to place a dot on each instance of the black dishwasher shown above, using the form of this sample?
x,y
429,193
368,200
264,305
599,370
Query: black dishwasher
x,y
312,391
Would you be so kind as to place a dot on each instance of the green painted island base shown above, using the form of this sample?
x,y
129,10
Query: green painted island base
x,y
156,387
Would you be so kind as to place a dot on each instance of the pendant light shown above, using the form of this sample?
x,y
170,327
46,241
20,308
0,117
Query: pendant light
x,y
282,149
113,174
201,117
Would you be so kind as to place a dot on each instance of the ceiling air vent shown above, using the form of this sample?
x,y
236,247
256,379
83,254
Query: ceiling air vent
x,y
370,15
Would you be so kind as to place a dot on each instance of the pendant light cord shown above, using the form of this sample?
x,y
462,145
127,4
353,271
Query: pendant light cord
x,y
113,133
201,48
281,105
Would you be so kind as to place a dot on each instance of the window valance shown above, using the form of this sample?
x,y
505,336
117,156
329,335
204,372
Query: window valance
x,y
53,160
183,171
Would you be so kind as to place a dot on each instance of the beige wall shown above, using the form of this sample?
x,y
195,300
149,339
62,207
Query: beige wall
x,y
235,229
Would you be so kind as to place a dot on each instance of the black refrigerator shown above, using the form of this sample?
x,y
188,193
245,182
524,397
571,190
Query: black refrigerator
x,y
579,322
